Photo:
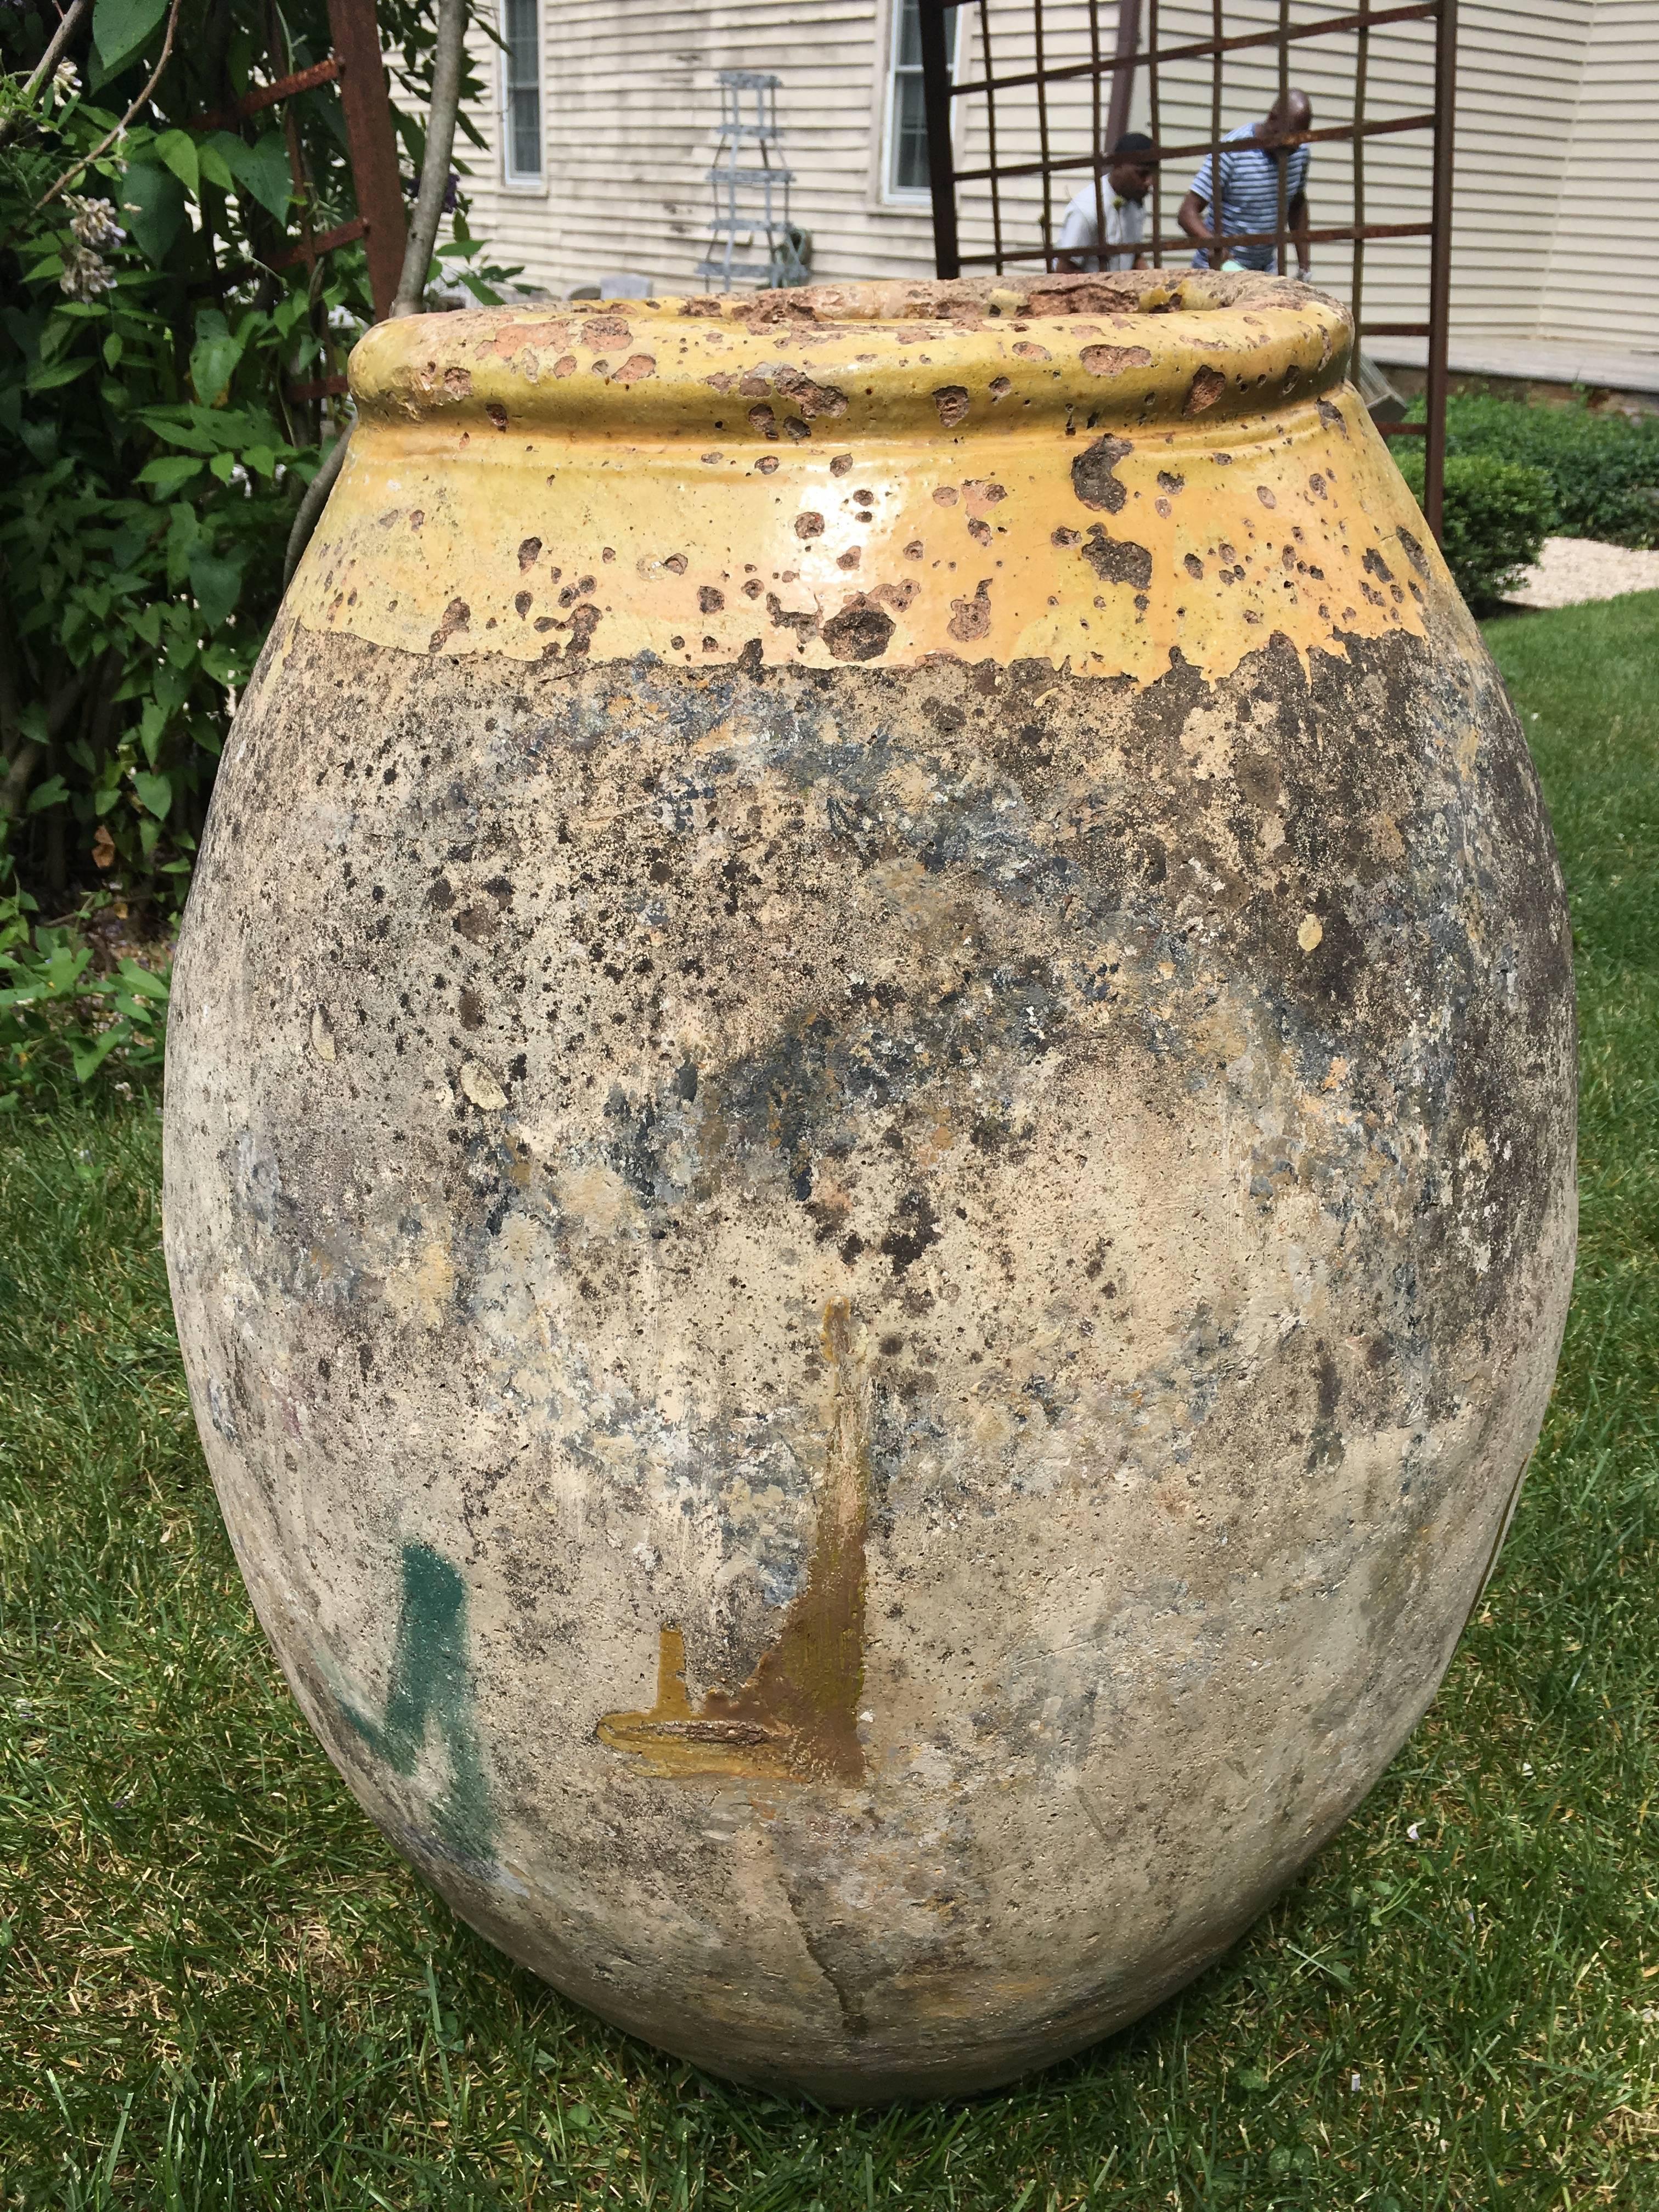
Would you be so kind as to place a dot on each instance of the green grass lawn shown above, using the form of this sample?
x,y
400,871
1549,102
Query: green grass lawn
x,y
218,1986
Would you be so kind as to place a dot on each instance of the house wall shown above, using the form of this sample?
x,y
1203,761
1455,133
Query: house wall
x,y
631,109
1602,270
1557,195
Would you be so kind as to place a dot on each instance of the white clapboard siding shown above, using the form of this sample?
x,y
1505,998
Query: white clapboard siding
x,y
1555,229
1603,268
632,109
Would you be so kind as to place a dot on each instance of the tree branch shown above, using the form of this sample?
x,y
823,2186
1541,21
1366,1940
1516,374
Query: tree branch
x,y
21,764
54,54
110,138
11,705
19,774
311,505
446,63
446,66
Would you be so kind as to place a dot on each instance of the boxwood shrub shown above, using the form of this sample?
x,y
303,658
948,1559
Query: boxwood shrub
x,y
1603,469
1496,514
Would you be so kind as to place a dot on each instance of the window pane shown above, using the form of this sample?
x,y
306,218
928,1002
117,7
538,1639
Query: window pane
x,y
907,34
909,134
525,112
520,31
522,58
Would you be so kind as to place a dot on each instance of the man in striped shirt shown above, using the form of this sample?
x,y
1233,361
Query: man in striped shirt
x,y
1251,161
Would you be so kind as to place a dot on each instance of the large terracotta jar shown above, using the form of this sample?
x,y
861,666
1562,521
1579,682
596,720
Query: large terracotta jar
x,y
870,1144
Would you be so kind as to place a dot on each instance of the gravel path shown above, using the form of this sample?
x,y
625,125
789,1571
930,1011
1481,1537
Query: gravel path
x,y
1574,569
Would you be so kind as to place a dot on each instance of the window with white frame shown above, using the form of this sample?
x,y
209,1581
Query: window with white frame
x,y
521,91
906,115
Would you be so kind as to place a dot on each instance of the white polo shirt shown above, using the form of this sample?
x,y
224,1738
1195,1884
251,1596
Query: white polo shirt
x,y
1125,224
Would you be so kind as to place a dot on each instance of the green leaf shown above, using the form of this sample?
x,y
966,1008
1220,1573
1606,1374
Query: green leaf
x,y
261,169
216,585
60,372
119,28
168,473
152,729
155,792
88,1054
178,149
52,792
174,433
152,208
183,530
215,167
141,981
213,362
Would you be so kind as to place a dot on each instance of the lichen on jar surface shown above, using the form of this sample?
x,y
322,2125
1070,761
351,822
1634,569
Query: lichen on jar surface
x,y
870,1144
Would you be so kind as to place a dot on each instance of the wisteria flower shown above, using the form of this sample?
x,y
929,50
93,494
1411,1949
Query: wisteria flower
x,y
86,274
93,220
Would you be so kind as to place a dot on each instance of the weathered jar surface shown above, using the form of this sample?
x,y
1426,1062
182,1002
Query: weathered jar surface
x,y
870,1144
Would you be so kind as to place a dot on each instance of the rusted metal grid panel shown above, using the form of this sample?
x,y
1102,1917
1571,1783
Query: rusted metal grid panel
x,y
1397,164
1018,121
1524,210
1400,90
1197,60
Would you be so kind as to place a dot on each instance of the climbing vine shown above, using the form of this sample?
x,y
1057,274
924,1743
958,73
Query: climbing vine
x,y
163,351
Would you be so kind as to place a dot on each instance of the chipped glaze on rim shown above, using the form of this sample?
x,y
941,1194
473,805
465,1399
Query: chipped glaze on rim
x,y
836,360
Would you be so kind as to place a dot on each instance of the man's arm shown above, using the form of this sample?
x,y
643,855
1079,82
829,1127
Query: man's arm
x,y
1296,216
1191,219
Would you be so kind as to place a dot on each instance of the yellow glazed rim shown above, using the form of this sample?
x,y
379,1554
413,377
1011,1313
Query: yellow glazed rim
x,y
783,369
1096,470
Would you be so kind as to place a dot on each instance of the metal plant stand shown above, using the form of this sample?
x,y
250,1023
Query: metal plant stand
x,y
751,197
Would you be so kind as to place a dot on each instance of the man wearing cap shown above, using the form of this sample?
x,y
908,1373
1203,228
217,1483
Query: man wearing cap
x,y
1251,157
1121,197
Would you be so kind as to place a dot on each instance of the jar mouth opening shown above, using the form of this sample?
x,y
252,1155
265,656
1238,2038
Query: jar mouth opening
x,y
885,356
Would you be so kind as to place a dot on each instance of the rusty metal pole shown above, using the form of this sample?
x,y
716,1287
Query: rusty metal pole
x,y
1154,124
1356,282
1099,149
1440,216
1218,253
1043,136
372,142
1123,71
936,108
1282,158
990,82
